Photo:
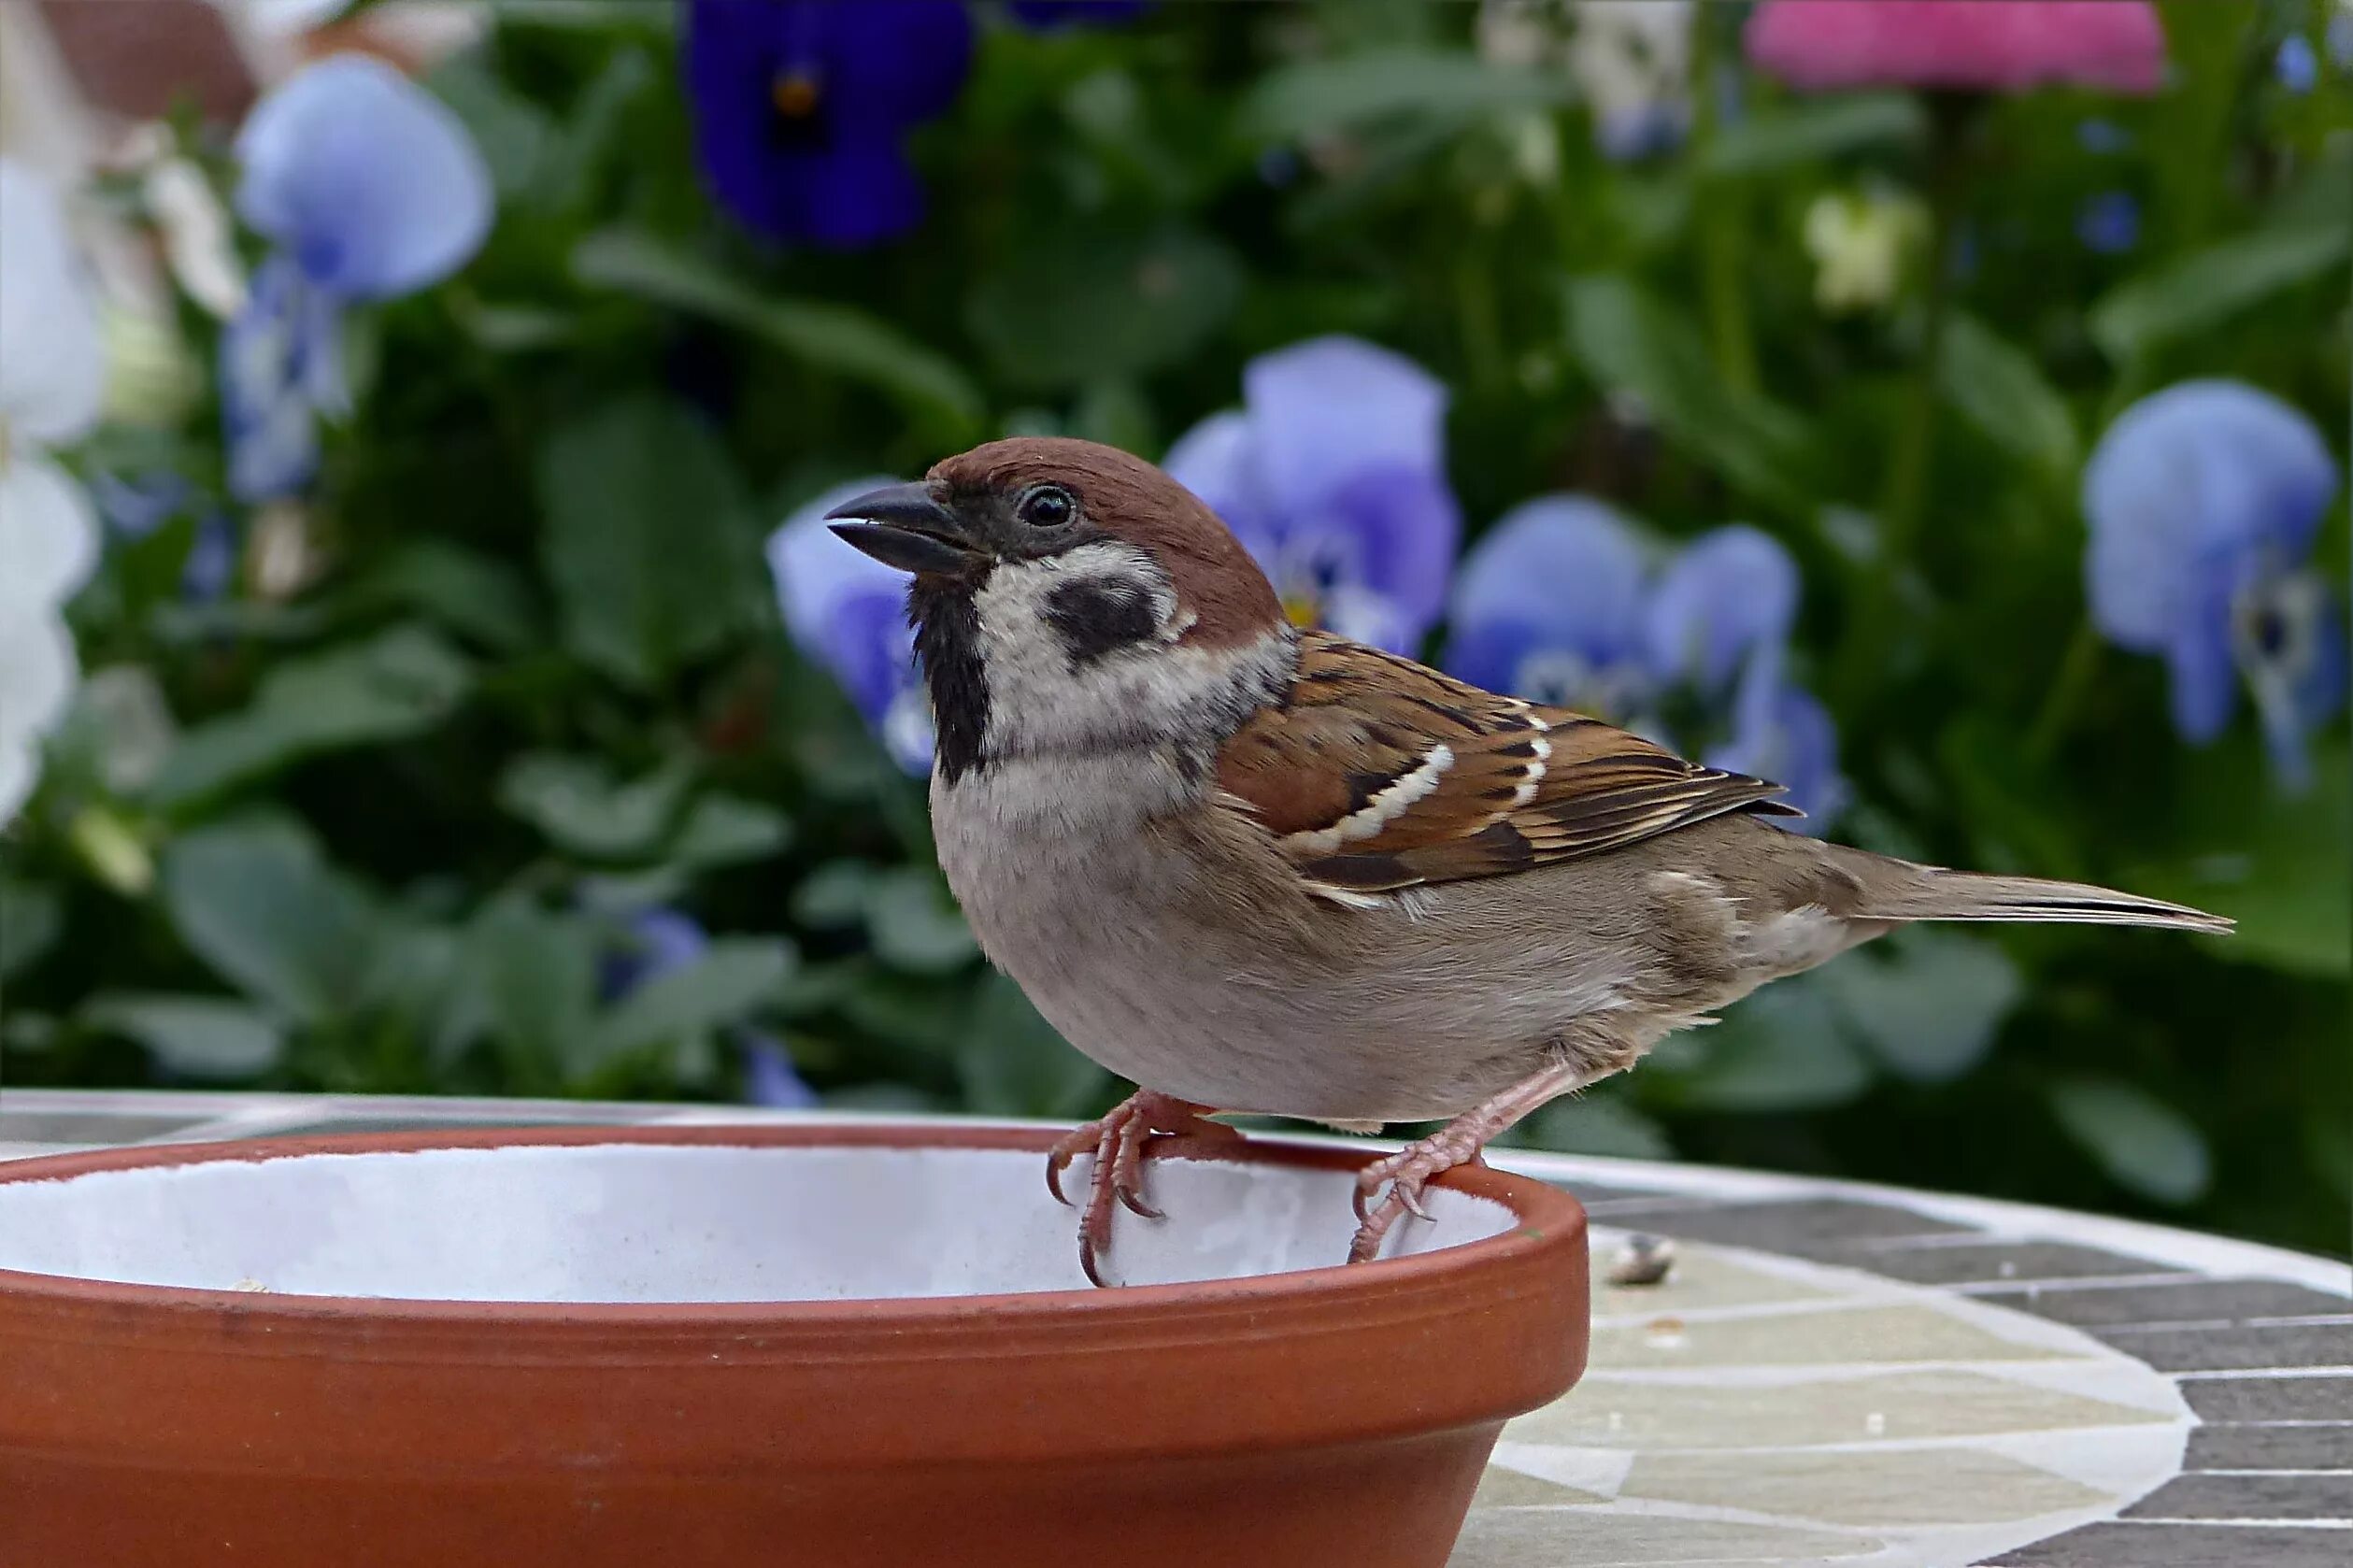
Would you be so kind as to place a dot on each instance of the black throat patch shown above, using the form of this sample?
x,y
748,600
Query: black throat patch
x,y
1093,616
948,643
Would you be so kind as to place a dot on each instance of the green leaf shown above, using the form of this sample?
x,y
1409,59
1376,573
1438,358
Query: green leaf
x,y
537,972
516,135
2140,1141
399,683
1067,309
1928,1002
2280,864
1784,1048
2191,293
1634,345
828,336
834,895
645,537
914,924
582,809
31,916
728,829
466,592
1011,1063
195,1036
1316,97
1811,130
1999,389
734,974
258,902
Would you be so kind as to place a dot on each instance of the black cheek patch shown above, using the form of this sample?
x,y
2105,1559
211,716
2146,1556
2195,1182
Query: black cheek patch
x,y
1095,617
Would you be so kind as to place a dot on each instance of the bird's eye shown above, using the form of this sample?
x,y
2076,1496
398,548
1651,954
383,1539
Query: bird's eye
x,y
1045,506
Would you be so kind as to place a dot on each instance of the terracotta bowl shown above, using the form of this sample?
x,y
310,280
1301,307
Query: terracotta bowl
x,y
824,1346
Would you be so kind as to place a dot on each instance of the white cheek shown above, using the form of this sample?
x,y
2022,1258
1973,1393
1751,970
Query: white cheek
x,y
1038,698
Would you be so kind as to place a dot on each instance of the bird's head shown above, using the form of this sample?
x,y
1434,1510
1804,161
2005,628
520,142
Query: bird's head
x,y
1068,596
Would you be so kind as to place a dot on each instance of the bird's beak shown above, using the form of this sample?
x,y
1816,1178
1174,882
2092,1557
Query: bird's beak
x,y
901,526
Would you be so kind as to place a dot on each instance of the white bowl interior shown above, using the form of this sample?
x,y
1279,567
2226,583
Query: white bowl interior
x,y
680,1222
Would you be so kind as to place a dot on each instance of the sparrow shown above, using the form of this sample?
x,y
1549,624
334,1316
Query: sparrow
x,y
1254,868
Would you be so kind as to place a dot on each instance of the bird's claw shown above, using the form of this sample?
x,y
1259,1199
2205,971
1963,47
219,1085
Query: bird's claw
x,y
1117,1143
1404,1174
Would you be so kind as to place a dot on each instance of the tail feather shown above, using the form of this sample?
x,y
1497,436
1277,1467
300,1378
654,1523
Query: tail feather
x,y
1968,896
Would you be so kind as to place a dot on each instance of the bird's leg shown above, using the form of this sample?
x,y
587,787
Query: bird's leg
x,y
1117,1143
1458,1143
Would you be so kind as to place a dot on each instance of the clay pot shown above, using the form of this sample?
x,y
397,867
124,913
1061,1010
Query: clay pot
x,y
835,1345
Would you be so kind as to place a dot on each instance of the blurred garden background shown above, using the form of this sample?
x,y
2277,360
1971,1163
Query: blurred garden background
x,y
419,672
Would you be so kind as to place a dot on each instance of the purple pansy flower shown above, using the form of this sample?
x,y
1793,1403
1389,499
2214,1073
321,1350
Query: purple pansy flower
x,y
1549,607
368,188
2203,502
848,612
659,940
1332,474
1047,14
802,109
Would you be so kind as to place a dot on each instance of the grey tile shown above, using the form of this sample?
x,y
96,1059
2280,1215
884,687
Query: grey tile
x,y
2239,1347
1994,1261
2238,1447
1806,1228
2270,1399
2126,1544
2190,1301
87,1127
2249,1497
1592,1193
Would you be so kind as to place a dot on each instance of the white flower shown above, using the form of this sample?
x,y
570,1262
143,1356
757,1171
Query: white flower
x,y
194,228
1634,60
1857,241
53,373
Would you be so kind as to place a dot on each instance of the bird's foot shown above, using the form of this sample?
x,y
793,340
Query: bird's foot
x,y
1117,1143
1406,1172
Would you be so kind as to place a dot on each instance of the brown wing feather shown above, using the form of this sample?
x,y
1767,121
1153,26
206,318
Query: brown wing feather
x,y
1380,773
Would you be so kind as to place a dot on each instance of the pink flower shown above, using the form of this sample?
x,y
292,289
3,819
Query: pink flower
x,y
1998,46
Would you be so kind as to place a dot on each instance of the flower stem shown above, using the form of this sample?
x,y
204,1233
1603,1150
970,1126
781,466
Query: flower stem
x,y
2077,667
1719,220
1909,464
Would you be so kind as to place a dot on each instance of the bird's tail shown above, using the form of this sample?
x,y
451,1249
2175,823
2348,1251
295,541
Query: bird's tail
x,y
1938,894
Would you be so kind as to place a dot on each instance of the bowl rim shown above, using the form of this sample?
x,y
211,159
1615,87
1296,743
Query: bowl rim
x,y
1547,1220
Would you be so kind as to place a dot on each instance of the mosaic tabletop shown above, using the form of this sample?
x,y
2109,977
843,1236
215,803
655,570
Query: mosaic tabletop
x,y
1827,1374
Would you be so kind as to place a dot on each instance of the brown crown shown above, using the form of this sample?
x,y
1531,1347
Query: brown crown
x,y
1131,500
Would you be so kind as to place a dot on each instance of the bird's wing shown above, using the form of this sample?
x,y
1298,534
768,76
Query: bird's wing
x,y
1380,773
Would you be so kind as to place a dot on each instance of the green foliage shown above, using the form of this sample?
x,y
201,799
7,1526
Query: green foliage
x,y
380,821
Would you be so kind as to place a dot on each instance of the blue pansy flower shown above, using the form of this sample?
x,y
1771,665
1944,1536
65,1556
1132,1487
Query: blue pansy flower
x,y
847,611
2297,65
136,506
1332,474
2101,135
1721,615
2109,223
1781,731
367,188
2203,502
660,941
1549,607
802,109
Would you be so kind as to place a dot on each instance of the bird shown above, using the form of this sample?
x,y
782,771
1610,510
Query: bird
x,y
1259,869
